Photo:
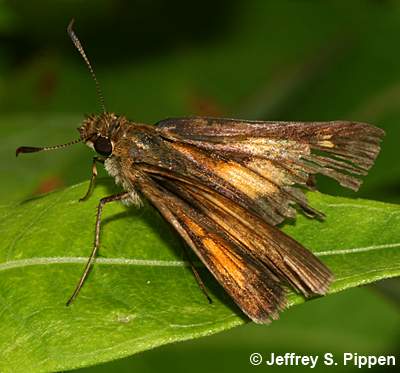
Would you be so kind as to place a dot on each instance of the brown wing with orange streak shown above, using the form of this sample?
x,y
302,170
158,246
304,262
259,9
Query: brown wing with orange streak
x,y
252,260
252,285
269,161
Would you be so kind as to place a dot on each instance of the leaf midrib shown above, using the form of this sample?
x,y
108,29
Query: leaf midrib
x,y
159,263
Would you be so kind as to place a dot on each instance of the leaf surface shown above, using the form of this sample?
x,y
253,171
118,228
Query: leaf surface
x,y
141,294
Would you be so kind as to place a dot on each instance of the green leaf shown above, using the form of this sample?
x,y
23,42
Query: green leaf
x,y
140,294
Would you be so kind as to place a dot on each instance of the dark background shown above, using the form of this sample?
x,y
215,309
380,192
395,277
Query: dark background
x,y
275,60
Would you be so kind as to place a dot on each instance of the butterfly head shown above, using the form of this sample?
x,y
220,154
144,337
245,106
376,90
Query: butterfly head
x,y
99,132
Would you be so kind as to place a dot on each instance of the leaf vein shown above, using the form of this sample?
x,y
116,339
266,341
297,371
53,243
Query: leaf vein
x,y
78,260
358,249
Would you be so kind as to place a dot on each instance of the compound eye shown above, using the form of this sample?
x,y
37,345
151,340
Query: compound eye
x,y
103,146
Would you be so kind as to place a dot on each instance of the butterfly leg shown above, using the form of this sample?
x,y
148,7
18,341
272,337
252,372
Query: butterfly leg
x,y
158,201
196,275
93,178
89,263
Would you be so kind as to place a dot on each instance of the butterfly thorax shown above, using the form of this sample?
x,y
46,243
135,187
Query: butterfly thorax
x,y
117,140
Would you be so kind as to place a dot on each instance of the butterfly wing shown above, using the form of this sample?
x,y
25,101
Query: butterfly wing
x,y
286,258
262,166
271,159
252,285
224,184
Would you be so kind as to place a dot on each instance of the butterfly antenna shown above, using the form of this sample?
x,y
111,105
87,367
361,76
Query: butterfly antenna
x,y
80,49
33,149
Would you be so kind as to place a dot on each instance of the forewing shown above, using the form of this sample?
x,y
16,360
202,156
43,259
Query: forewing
x,y
282,255
252,285
285,153
261,165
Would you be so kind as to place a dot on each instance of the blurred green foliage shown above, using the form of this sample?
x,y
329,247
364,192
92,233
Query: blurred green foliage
x,y
302,60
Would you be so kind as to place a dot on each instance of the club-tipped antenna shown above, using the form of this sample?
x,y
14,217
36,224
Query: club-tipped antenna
x,y
32,149
80,49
